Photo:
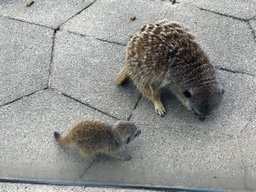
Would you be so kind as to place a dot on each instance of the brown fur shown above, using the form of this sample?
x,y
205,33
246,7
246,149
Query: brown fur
x,y
164,54
91,137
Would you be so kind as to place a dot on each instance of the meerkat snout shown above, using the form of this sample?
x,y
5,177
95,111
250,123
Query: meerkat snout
x,y
201,101
91,137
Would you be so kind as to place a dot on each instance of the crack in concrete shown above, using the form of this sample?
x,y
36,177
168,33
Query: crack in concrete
x,y
135,106
113,42
95,38
232,71
173,2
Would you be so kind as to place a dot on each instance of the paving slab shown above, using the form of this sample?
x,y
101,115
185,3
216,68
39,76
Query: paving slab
x,y
236,8
247,141
86,69
180,150
28,148
25,54
228,42
110,20
235,111
51,13
175,156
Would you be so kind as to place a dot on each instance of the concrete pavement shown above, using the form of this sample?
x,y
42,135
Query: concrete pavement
x,y
58,63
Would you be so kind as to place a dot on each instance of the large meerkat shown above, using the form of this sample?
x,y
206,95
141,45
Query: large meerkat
x,y
91,137
164,54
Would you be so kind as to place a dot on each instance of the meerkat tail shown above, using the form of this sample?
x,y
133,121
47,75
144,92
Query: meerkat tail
x,y
62,140
122,76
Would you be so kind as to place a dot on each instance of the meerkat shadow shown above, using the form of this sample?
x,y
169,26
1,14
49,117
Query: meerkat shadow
x,y
169,100
103,157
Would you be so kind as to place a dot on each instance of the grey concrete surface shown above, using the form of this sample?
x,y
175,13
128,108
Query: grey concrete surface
x,y
227,41
248,145
50,13
24,59
253,24
4,187
85,69
238,8
115,25
58,64
28,148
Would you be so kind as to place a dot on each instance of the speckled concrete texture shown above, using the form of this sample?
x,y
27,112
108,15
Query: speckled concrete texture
x,y
50,13
58,65
85,69
110,20
24,59
239,9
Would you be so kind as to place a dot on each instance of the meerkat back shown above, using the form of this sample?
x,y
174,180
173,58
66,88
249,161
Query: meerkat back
x,y
164,54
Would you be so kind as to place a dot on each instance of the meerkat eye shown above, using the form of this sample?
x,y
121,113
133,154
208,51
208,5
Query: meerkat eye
x,y
223,91
128,140
187,94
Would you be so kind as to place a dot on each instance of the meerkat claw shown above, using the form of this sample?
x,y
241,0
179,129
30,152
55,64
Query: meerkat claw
x,y
160,112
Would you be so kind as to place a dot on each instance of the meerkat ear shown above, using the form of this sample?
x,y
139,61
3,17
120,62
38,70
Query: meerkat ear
x,y
187,94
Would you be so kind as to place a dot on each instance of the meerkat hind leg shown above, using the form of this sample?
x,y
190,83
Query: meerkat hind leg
x,y
122,76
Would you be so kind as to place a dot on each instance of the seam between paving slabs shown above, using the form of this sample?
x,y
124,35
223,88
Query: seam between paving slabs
x,y
66,95
135,106
14,19
22,97
233,17
52,56
225,15
76,14
253,32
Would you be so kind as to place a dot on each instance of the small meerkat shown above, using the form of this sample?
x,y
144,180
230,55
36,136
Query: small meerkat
x,y
91,137
164,54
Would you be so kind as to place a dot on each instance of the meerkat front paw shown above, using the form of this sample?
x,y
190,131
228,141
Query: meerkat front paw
x,y
159,109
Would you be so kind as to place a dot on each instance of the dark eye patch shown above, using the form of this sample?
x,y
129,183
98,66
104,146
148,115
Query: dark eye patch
x,y
187,94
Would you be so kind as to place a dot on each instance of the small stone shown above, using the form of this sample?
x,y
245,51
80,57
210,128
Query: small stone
x,y
133,18
30,3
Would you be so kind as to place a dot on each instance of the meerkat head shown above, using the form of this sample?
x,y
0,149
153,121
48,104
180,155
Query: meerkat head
x,y
202,100
126,131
